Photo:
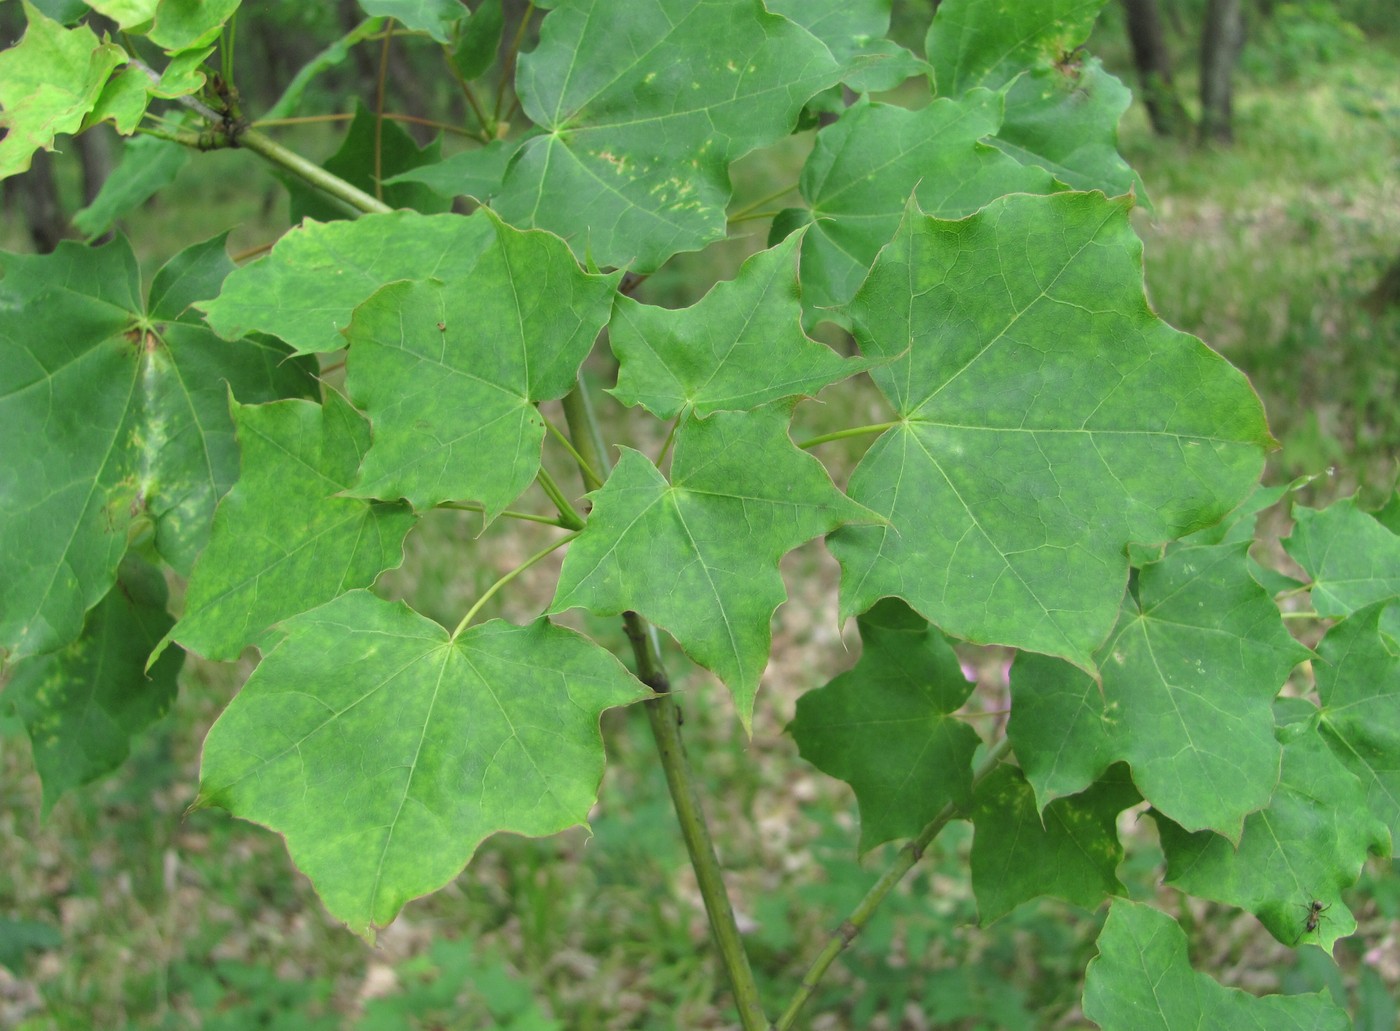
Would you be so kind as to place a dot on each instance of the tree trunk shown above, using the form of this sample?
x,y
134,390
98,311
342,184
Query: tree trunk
x,y
38,198
1221,40
1154,68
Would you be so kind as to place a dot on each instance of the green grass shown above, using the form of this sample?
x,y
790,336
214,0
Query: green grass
x,y
175,920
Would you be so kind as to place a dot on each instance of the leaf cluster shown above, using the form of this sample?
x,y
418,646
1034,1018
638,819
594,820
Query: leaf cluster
x,y
1057,471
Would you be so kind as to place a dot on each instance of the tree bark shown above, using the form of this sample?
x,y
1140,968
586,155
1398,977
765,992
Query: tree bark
x,y
1221,40
38,198
1154,67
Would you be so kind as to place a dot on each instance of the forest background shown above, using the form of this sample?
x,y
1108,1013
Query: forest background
x,y
1271,240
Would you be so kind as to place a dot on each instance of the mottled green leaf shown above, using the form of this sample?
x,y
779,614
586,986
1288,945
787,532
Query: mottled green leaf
x,y
305,290
1358,681
1070,851
285,538
125,423
49,81
859,177
1141,980
146,167
1309,843
83,704
1352,558
450,373
385,750
1047,419
1062,110
990,42
854,31
887,727
365,149
738,347
1189,676
1064,118
741,495
643,107
435,17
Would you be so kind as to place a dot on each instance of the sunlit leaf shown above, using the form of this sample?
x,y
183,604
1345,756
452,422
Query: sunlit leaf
x,y
285,538
1047,419
643,107
989,42
859,177
740,496
1188,679
125,423
1310,843
305,290
449,373
49,81
1353,559
385,750
1358,681
1142,979
738,347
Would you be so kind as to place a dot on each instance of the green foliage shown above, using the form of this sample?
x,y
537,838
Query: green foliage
x,y
1055,469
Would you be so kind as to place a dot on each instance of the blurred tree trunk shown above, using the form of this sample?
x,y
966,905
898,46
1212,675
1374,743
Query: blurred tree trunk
x,y
37,193
1154,68
94,149
1221,40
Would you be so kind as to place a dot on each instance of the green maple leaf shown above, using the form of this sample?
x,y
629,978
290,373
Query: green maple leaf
x,y
285,538
738,347
1189,677
49,82
1047,419
1062,111
1309,843
1353,558
988,43
450,373
887,727
741,495
83,704
854,31
306,289
1070,851
1064,118
386,750
1142,979
859,177
643,106
1358,682
123,406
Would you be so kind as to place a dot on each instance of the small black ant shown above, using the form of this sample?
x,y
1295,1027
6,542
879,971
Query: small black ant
x,y
1315,910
